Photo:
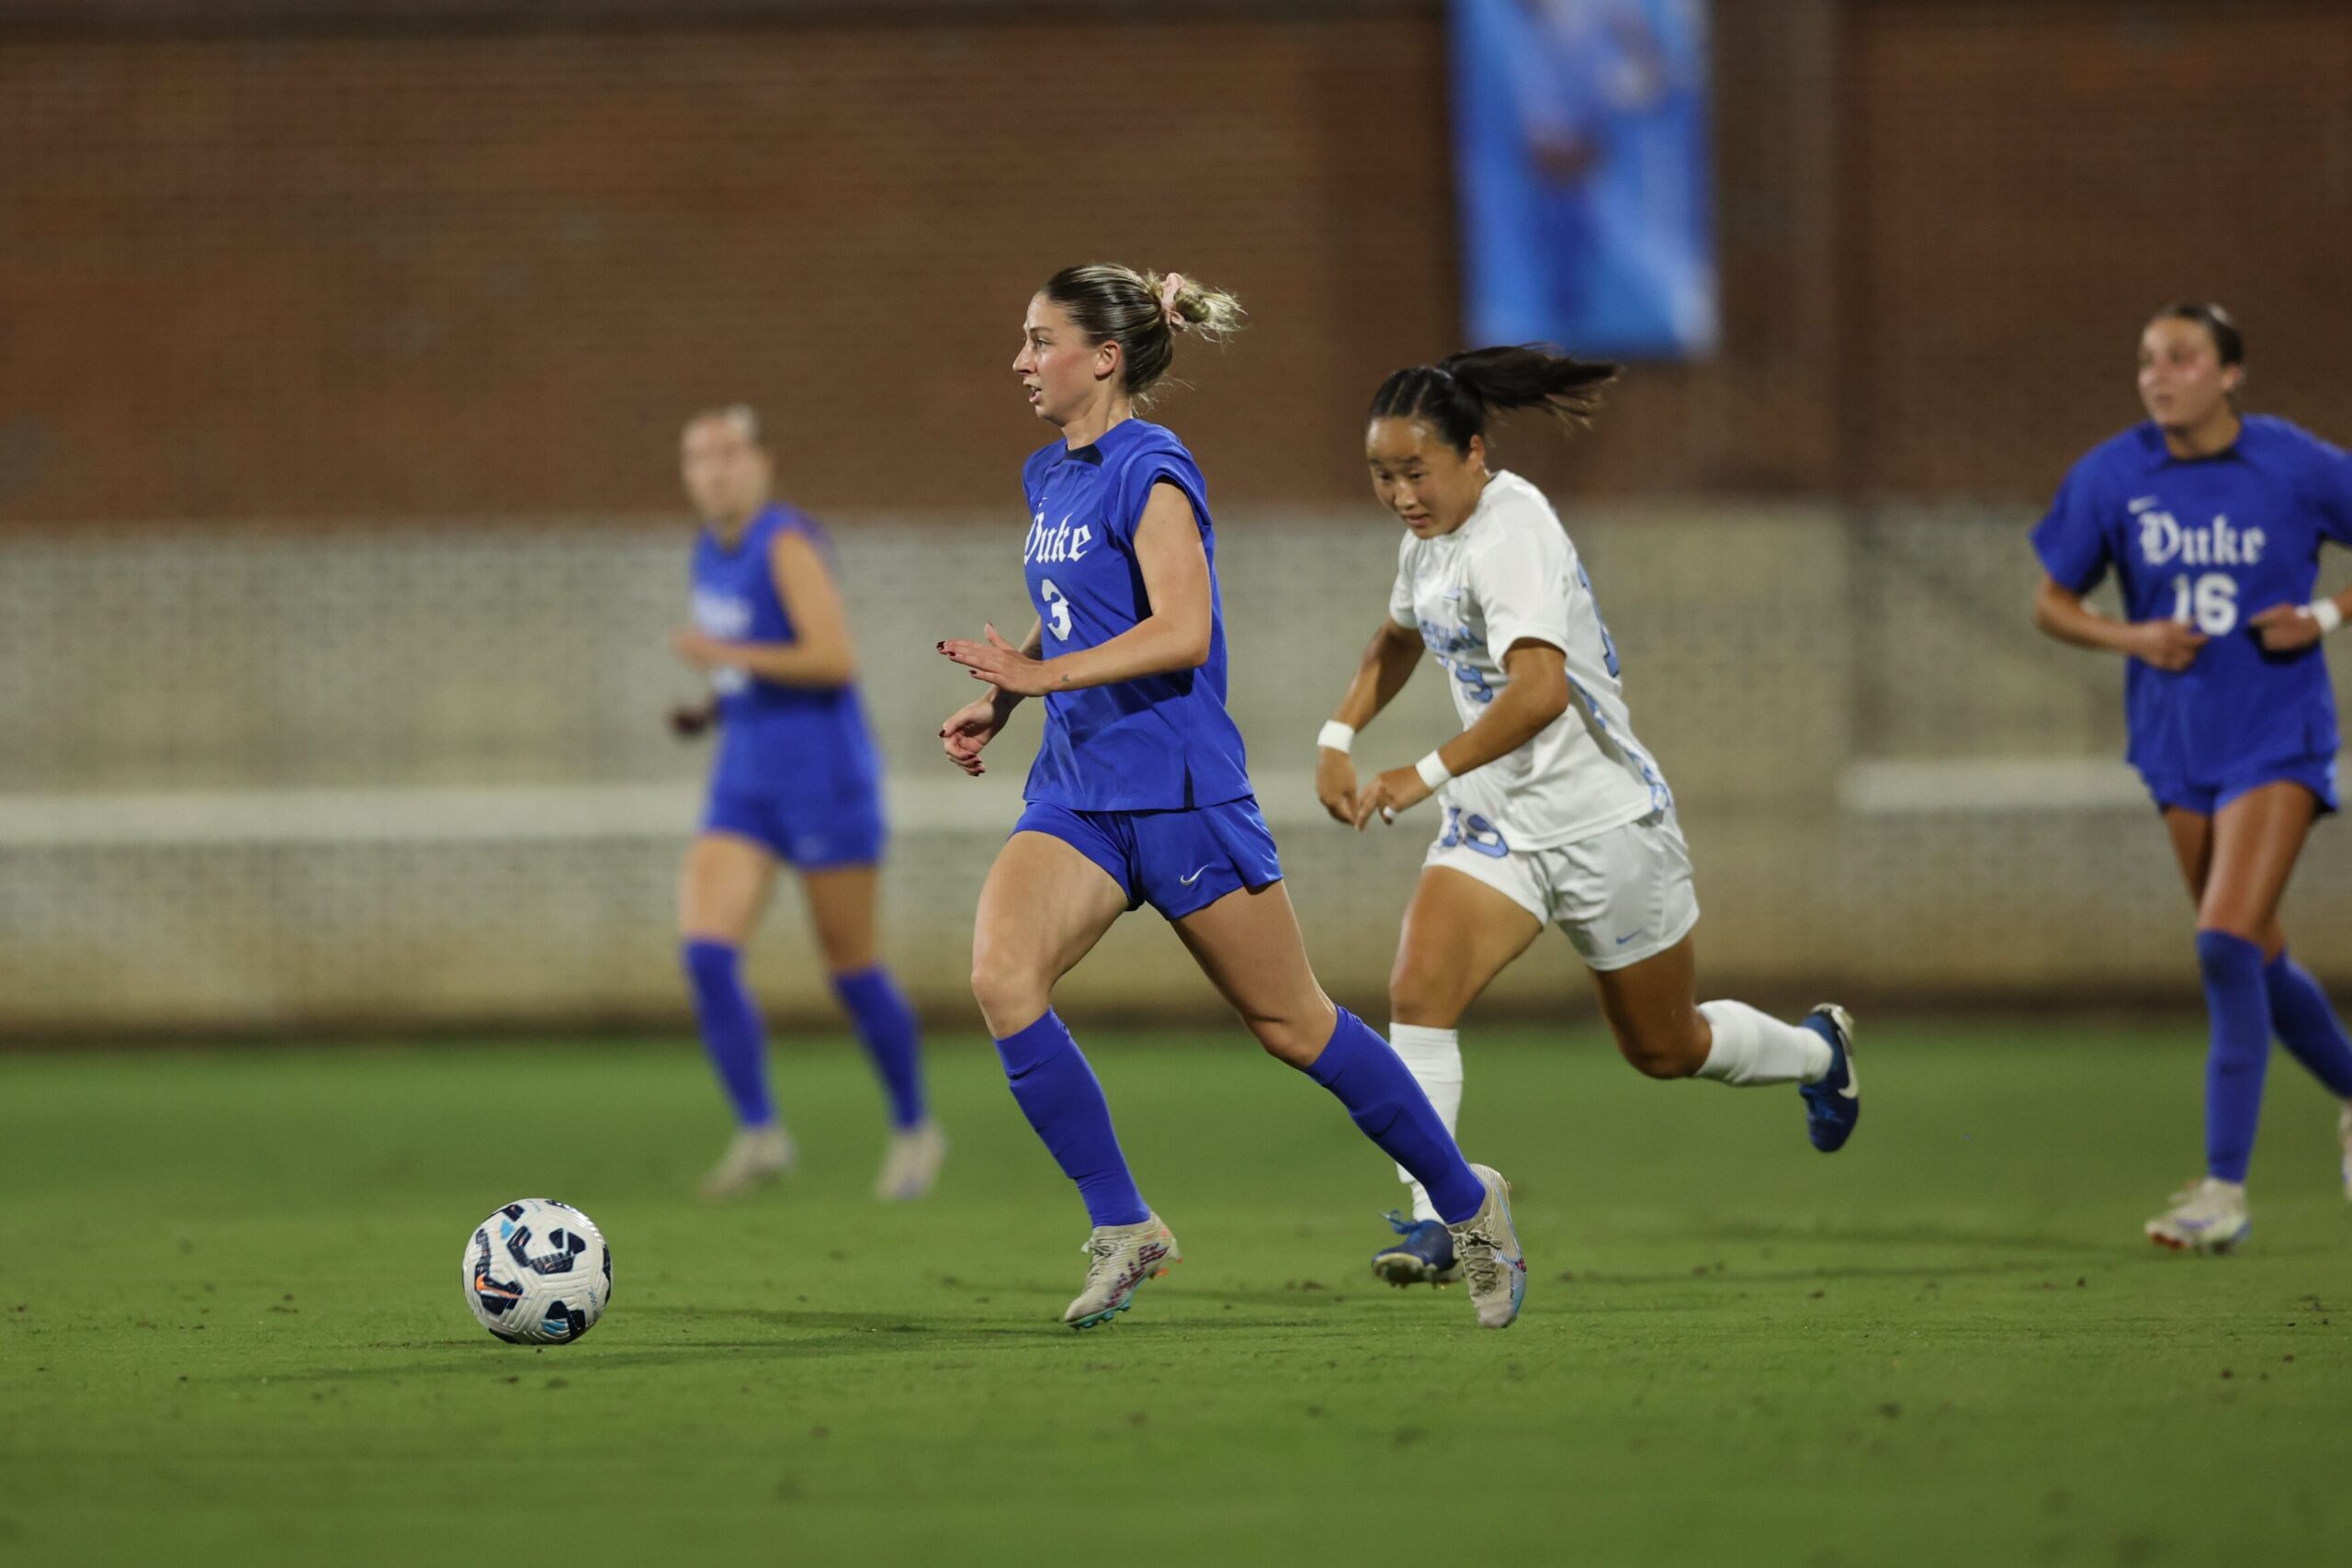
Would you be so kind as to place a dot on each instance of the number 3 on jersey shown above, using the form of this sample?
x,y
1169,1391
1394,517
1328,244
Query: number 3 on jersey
x,y
1056,609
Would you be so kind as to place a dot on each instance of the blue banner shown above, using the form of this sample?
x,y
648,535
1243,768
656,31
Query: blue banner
x,y
1581,145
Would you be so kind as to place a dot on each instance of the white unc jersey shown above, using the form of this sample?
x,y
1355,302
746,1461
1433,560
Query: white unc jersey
x,y
1510,573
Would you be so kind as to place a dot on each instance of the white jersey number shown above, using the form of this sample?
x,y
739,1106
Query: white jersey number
x,y
2211,602
1056,609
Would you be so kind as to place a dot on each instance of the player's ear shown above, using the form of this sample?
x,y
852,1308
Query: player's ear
x,y
2233,379
1106,359
1476,453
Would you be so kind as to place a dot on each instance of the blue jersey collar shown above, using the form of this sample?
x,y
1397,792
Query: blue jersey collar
x,y
1106,445
2156,454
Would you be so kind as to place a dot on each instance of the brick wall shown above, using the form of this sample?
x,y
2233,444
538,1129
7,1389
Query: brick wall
x,y
458,268
2029,182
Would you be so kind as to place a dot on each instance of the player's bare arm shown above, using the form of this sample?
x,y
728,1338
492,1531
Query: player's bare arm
x,y
977,722
1388,662
820,654
2168,645
1174,635
1538,694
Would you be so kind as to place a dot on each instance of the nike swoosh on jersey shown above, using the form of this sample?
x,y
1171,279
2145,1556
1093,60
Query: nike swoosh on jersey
x,y
2140,503
1188,880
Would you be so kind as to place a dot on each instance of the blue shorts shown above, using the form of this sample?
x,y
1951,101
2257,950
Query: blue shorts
x,y
1178,861
2316,775
808,835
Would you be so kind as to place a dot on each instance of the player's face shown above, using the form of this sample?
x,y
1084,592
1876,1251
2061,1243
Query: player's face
x,y
1422,478
2183,382
726,471
1060,368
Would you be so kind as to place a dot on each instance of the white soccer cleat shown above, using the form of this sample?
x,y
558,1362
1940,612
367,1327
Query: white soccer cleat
x,y
2343,1138
1487,1247
758,1155
2207,1216
1121,1257
911,1163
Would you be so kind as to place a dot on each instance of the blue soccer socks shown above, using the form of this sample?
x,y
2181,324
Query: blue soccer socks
x,y
2238,1006
2308,1028
1382,1100
731,1032
886,1027
1063,1100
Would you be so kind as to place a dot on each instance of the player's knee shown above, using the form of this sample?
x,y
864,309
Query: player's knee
x,y
845,954
1009,992
1294,1037
1421,994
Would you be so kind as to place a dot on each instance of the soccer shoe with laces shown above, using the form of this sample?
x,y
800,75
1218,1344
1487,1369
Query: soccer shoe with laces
x,y
1121,1257
1422,1253
758,1155
2207,1216
911,1163
1487,1246
1833,1105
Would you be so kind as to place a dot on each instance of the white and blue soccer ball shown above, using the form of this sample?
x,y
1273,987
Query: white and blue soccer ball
x,y
537,1272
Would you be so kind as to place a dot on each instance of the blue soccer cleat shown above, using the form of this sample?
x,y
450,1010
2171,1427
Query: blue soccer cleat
x,y
1835,1104
1422,1253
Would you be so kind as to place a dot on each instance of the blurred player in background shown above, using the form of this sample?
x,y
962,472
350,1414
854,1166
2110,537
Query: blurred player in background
x,y
796,782
1553,811
1140,792
2212,521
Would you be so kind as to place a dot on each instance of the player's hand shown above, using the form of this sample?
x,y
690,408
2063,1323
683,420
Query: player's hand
x,y
1335,783
2168,645
1397,790
968,729
689,720
1000,664
697,649
2285,628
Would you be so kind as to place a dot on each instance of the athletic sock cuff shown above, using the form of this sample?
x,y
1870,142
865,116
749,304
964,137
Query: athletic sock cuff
x,y
1025,1048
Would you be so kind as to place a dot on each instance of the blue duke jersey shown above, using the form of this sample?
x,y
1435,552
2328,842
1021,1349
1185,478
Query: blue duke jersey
x,y
775,740
1164,742
2211,542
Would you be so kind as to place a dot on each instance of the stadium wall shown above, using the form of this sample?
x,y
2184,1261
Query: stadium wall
x,y
395,778
325,259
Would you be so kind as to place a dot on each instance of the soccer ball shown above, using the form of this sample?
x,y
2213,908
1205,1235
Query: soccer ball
x,y
537,1272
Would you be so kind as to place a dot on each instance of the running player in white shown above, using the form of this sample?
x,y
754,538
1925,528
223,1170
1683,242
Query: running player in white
x,y
1552,812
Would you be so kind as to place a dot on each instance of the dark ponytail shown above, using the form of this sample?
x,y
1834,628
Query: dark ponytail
x,y
1458,393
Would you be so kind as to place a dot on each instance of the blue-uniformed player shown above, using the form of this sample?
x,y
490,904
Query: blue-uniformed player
x,y
796,782
2212,521
1140,792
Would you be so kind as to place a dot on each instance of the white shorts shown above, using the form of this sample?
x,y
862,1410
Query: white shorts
x,y
1622,895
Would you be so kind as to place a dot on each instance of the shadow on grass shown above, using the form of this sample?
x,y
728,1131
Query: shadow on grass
x,y
806,1335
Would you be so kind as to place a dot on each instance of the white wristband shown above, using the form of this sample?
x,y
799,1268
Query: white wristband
x,y
1433,769
1336,736
2324,611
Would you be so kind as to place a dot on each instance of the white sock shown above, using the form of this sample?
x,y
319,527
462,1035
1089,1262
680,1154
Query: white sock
x,y
1434,1056
1753,1047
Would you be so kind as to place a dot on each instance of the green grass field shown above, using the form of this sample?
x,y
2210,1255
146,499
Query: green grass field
x,y
230,1326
